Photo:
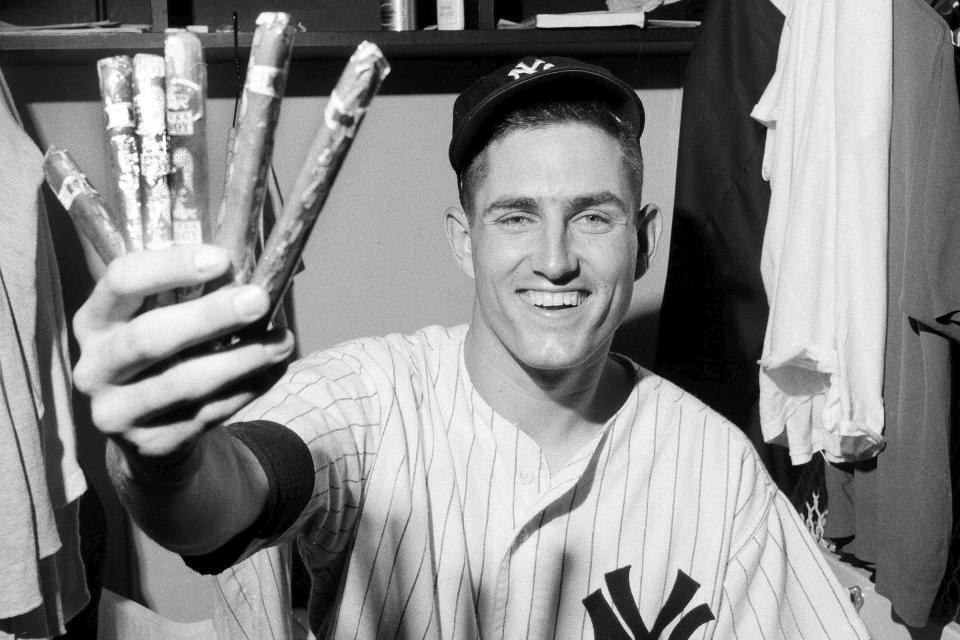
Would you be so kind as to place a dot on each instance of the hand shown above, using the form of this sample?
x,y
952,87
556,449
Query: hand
x,y
151,389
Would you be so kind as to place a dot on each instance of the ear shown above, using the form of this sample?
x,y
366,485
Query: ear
x,y
649,227
457,226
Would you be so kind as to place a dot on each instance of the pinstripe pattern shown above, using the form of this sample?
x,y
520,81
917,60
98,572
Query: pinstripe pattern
x,y
464,532
251,598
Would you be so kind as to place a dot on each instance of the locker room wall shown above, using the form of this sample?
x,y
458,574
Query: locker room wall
x,y
377,261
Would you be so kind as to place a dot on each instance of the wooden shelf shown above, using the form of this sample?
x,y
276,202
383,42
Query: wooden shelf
x,y
83,48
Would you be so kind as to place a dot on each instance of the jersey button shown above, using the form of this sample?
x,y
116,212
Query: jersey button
x,y
526,477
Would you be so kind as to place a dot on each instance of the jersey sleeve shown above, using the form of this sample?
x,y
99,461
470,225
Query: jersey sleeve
x,y
315,433
777,582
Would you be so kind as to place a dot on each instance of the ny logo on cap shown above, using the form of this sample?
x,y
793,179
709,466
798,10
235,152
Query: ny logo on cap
x,y
524,69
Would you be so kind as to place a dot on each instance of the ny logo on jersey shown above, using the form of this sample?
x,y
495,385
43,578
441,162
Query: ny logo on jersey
x,y
524,69
606,626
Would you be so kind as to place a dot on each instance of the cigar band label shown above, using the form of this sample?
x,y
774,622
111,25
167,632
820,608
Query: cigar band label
x,y
187,231
263,79
151,110
154,160
180,123
182,93
119,115
72,186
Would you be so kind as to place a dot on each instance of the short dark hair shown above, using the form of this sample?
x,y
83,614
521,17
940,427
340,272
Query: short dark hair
x,y
548,109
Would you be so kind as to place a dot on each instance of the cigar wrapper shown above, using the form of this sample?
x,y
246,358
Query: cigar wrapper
x,y
116,90
84,204
149,99
343,114
186,87
259,112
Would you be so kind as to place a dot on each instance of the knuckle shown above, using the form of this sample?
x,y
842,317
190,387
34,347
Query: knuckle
x,y
116,279
106,415
79,324
136,345
180,387
88,373
83,377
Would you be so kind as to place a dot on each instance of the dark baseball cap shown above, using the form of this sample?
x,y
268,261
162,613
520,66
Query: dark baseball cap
x,y
485,97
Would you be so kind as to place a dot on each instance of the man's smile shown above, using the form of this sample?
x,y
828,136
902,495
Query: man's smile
x,y
553,300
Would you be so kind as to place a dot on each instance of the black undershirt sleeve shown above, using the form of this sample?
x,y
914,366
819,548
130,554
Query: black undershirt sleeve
x,y
288,464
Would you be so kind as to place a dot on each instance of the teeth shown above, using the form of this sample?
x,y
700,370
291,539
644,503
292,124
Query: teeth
x,y
553,299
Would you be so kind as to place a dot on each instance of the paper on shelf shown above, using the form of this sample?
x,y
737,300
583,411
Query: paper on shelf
x,y
581,19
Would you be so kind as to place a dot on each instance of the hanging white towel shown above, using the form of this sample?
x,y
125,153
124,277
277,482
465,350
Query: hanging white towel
x,y
827,110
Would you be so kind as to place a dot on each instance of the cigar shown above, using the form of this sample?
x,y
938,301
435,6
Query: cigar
x,y
186,87
84,204
149,99
259,112
343,114
116,91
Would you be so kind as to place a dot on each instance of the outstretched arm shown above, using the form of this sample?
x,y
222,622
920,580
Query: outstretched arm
x,y
159,395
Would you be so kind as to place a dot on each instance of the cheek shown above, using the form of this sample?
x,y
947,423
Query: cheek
x,y
490,277
614,262
495,260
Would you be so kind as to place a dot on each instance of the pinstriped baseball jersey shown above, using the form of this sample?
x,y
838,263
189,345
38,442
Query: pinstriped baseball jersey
x,y
433,517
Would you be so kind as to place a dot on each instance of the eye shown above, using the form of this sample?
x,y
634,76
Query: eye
x,y
514,220
594,221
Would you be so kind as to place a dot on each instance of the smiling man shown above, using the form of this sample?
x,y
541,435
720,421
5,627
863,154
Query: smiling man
x,y
510,478
550,238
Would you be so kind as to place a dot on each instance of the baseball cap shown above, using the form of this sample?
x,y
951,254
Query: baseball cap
x,y
485,97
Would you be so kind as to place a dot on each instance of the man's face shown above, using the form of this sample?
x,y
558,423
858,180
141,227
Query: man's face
x,y
553,238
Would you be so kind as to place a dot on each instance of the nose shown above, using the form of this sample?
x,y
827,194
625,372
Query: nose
x,y
556,258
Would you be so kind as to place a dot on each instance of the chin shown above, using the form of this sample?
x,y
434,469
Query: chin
x,y
556,356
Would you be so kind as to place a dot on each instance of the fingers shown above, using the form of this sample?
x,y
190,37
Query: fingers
x,y
131,278
159,440
187,396
152,380
126,349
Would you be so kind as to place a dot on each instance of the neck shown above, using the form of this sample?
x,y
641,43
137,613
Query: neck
x,y
559,409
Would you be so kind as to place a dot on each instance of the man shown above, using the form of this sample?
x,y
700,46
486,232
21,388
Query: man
x,y
510,479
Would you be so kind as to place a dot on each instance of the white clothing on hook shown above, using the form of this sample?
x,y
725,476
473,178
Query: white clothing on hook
x,y
827,110
40,479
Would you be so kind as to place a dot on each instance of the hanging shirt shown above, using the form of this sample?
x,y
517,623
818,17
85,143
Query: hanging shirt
x,y
714,309
428,515
40,480
828,110
900,510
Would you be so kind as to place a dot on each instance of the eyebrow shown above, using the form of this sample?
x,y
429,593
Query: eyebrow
x,y
599,198
580,202
506,203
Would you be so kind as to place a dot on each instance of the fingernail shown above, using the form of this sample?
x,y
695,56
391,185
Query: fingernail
x,y
251,302
281,349
209,260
